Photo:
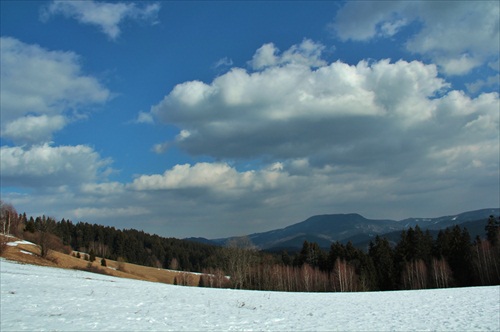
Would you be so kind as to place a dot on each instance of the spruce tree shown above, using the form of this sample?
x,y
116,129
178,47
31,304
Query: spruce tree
x,y
382,256
493,230
30,226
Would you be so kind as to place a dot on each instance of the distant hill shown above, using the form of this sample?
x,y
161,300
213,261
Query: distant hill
x,y
325,229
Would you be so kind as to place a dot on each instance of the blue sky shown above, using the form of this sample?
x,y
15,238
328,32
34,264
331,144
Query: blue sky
x,y
227,118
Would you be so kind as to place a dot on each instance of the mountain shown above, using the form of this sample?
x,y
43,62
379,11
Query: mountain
x,y
325,229
328,228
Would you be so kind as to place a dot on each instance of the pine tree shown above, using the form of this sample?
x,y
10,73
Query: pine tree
x,y
103,262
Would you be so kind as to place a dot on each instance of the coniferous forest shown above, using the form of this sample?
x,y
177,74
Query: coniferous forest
x,y
417,261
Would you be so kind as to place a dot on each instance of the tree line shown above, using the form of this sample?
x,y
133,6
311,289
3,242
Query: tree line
x,y
417,261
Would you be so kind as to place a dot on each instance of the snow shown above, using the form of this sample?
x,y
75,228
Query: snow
x,y
49,299
15,243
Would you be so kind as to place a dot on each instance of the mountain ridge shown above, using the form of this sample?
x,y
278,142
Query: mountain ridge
x,y
343,227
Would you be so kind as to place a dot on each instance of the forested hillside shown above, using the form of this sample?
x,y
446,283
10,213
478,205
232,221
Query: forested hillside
x,y
418,260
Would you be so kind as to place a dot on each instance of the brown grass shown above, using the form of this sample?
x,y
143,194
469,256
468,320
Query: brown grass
x,y
67,261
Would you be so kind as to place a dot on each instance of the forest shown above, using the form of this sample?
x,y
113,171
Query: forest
x,y
417,261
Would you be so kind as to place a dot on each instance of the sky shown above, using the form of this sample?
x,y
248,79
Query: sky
x,y
215,119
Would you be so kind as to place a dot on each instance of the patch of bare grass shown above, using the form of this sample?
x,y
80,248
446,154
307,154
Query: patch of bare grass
x,y
118,268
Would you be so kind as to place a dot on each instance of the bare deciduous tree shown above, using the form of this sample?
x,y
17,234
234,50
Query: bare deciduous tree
x,y
345,276
9,219
184,279
239,256
415,275
174,264
441,273
487,262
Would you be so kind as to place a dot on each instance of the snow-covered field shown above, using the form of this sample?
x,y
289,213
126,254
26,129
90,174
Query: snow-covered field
x,y
42,298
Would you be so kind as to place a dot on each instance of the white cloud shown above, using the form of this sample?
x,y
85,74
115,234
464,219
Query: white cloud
x,y
33,129
43,166
389,29
296,111
42,90
457,35
264,57
491,82
363,21
144,117
105,15
218,178
224,62
458,66
161,147
307,53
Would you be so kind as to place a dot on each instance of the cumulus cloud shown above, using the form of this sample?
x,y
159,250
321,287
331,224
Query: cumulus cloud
x,y
337,113
107,16
43,166
457,35
42,90
33,129
219,178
